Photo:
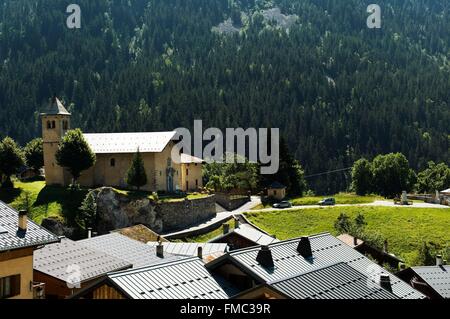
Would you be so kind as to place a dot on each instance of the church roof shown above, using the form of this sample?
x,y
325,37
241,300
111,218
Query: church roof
x,y
55,107
123,143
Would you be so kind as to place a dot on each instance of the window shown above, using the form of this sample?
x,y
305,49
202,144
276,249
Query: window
x,y
9,286
49,125
187,172
53,124
275,193
113,162
196,183
187,186
65,125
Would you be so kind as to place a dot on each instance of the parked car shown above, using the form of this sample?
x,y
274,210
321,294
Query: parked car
x,y
327,202
283,204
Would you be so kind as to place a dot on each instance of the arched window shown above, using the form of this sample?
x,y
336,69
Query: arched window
x,y
169,162
49,125
53,124
65,125
113,162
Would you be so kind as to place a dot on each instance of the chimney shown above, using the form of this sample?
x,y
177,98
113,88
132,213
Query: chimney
x,y
160,250
200,252
226,228
89,233
439,260
386,247
236,223
304,248
355,241
265,257
385,282
23,220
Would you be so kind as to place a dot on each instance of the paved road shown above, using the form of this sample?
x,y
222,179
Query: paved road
x,y
374,204
221,217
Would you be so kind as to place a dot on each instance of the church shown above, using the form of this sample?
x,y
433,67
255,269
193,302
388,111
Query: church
x,y
115,152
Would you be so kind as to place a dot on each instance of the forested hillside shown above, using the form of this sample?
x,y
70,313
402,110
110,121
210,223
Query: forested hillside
x,y
337,89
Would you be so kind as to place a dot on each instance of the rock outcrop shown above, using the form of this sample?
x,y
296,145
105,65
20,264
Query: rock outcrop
x,y
117,211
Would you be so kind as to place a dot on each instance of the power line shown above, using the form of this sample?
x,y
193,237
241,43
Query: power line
x,y
330,172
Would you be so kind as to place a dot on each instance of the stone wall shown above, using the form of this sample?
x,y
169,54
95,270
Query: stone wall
x,y
117,211
231,201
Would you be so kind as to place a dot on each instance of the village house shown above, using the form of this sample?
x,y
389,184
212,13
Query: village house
x,y
115,152
19,240
316,267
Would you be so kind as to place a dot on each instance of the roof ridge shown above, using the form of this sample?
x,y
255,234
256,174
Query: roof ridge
x,y
152,267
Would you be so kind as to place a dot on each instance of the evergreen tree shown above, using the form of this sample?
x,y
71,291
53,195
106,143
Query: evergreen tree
x,y
11,160
88,211
136,175
75,154
34,154
362,177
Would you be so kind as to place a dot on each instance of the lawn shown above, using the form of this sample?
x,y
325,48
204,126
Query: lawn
x,y
43,201
405,228
208,236
341,199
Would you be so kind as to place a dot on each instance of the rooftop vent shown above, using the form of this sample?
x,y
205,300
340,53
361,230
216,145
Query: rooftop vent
x,y
304,248
200,252
385,282
439,260
265,257
160,250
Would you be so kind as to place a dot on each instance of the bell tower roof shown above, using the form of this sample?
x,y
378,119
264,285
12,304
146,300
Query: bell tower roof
x,y
55,107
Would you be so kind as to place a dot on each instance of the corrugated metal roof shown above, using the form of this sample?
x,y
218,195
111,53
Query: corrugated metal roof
x,y
108,143
61,260
327,250
254,235
11,238
438,277
186,279
338,281
191,249
136,253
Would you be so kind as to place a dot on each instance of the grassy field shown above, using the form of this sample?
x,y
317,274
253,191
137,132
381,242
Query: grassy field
x,y
207,237
43,201
341,199
405,228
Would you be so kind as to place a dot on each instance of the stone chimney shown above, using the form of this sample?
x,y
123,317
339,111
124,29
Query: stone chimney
x,y
200,252
385,282
160,250
265,258
226,228
439,260
23,220
304,248
355,241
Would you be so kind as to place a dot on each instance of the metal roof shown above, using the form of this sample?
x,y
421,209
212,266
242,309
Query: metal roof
x,y
338,281
437,277
191,249
109,143
62,259
55,107
327,250
185,279
250,233
10,236
136,253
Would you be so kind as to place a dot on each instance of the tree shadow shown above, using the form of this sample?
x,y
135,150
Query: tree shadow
x,y
8,195
70,200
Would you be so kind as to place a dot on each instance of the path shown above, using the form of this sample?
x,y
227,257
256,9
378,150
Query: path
x,y
220,218
374,204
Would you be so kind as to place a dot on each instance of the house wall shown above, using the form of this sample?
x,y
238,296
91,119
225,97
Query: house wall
x,y
278,194
19,262
56,288
192,177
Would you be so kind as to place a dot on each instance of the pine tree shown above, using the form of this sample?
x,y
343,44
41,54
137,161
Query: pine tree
x,y
88,211
136,175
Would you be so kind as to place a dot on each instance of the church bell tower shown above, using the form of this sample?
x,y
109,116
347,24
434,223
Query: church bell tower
x,y
55,124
